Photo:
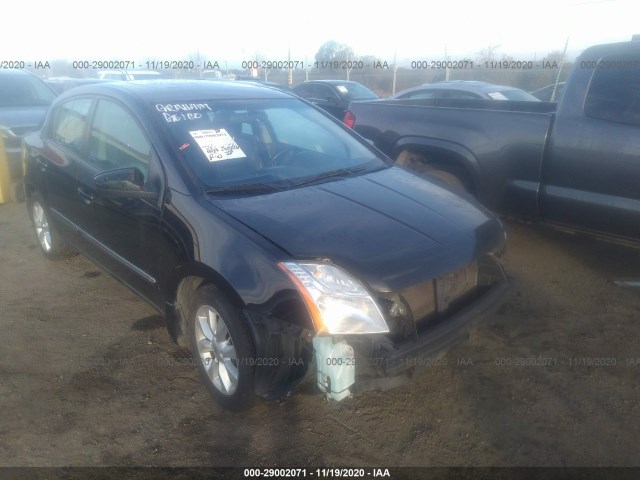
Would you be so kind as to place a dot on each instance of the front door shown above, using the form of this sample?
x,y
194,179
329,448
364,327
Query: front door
x,y
122,234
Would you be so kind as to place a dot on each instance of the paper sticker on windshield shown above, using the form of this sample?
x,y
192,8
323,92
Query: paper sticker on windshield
x,y
497,96
342,89
217,145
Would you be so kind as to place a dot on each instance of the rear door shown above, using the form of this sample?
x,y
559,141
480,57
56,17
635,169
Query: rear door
x,y
56,165
592,177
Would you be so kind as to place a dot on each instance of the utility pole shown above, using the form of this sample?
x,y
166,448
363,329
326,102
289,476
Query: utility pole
x,y
306,69
395,71
446,62
290,75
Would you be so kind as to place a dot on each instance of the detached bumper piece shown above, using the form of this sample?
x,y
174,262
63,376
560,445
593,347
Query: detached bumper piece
x,y
335,364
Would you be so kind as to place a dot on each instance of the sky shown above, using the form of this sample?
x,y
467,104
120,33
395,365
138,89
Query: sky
x,y
235,30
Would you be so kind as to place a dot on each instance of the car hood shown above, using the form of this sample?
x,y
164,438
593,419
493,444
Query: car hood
x,y
390,228
22,119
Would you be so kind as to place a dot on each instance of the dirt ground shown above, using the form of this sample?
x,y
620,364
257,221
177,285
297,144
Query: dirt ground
x,y
89,376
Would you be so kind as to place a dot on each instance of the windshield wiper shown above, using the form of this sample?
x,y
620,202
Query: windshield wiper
x,y
245,188
341,172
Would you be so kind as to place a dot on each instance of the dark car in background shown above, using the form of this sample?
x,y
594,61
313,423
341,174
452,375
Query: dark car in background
x,y
465,89
333,96
266,231
24,100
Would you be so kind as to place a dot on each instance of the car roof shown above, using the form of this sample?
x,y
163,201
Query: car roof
x,y
472,86
469,86
328,82
12,72
180,90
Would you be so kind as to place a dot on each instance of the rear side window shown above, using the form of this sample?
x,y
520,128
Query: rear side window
x,y
303,90
116,140
70,123
323,92
614,92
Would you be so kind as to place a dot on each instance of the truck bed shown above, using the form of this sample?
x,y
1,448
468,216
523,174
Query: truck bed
x,y
499,143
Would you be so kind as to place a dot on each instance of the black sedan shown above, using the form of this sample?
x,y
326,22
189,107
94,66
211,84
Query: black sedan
x,y
333,96
466,90
272,237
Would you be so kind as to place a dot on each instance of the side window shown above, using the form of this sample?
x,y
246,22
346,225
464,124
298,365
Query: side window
x,y
614,92
315,92
70,123
114,76
325,93
421,94
303,91
116,140
461,94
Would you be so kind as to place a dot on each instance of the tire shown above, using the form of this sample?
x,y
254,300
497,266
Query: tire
x,y
49,240
222,345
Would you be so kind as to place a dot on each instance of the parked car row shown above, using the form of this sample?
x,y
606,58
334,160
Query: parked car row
x,y
334,96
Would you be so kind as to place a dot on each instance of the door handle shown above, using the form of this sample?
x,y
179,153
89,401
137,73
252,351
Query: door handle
x,y
87,198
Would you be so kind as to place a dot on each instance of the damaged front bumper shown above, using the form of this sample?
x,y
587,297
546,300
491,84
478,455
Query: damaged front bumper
x,y
346,364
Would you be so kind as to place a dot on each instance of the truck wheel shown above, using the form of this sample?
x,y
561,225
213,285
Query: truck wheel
x,y
223,348
51,243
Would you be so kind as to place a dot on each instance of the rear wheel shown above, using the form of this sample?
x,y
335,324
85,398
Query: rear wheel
x,y
51,243
223,348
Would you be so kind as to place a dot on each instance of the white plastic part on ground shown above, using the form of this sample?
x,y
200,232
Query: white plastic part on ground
x,y
335,367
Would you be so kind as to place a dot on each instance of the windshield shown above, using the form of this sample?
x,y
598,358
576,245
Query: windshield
x,y
518,95
262,144
145,75
355,91
24,91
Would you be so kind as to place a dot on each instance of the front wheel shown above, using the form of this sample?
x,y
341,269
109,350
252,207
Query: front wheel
x,y
223,348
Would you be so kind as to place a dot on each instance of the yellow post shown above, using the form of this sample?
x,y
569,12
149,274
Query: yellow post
x,y
5,179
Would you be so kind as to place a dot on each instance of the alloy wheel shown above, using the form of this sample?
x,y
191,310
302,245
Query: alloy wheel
x,y
41,223
216,350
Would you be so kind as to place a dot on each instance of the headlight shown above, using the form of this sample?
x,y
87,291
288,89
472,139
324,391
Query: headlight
x,y
337,302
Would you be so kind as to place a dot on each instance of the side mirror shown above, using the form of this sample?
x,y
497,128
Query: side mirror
x,y
122,183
